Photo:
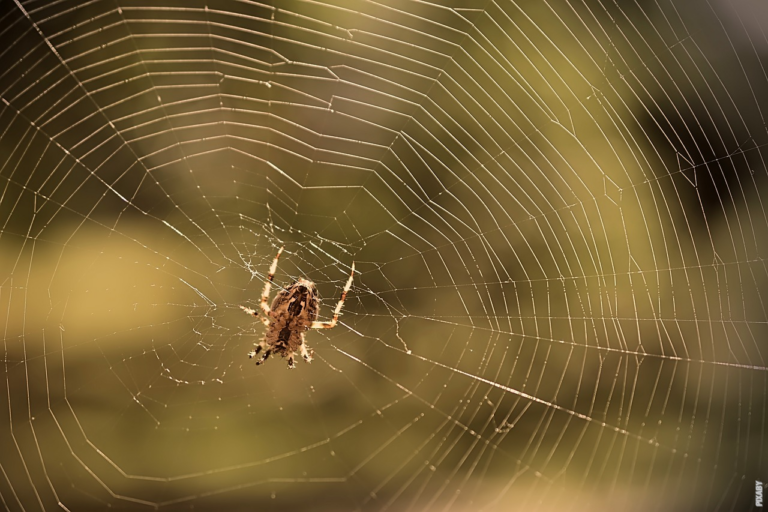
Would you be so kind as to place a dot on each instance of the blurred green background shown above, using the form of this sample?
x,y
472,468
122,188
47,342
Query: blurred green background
x,y
555,209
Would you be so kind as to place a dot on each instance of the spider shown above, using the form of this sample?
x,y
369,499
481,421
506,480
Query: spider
x,y
293,311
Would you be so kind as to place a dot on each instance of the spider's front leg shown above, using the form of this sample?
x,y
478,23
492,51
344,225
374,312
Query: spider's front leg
x,y
255,313
335,320
268,282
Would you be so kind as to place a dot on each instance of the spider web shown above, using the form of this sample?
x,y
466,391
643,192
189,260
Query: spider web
x,y
554,208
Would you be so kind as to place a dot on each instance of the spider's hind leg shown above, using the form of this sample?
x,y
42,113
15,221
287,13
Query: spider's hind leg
x,y
264,357
257,348
306,353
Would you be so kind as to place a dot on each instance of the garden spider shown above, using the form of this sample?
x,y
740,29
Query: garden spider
x,y
293,311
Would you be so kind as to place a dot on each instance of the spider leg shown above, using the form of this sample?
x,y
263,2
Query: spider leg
x,y
305,353
332,323
291,362
268,283
250,311
264,357
255,313
258,348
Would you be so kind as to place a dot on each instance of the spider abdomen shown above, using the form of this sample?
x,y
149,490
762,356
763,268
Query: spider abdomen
x,y
292,313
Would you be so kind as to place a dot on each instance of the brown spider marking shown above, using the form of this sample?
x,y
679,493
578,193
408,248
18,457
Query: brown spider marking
x,y
294,311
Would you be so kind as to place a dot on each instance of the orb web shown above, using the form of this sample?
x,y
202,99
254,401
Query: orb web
x,y
554,209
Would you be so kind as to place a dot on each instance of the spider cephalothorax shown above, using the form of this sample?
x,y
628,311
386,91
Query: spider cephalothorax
x,y
293,312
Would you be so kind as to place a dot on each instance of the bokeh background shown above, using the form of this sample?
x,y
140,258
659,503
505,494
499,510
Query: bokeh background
x,y
555,209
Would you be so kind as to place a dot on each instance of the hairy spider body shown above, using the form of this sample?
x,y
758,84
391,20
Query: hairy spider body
x,y
294,311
